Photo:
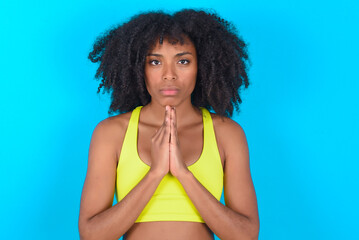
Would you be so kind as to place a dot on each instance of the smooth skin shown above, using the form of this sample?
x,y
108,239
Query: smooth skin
x,y
170,138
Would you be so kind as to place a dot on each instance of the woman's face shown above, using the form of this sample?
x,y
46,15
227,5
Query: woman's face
x,y
170,72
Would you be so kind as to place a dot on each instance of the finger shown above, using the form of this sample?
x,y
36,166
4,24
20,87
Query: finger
x,y
169,124
160,131
173,126
167,131
166,114
165,136
174,116
165,121
171,129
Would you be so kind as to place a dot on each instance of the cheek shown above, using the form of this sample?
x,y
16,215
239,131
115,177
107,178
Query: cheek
x,y
148,78
148,86
192,75
150,81
152,75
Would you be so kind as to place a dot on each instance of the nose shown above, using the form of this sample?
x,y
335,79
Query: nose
x,y
169,72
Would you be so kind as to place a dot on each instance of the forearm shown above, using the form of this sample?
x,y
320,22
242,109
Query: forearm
x,y
115,221
223,221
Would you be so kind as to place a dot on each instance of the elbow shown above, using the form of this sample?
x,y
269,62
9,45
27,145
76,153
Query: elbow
x,y
83,233
88,231
84,230
251,231
254,230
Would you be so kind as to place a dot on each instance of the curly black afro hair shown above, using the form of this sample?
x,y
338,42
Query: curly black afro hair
x,y
222,58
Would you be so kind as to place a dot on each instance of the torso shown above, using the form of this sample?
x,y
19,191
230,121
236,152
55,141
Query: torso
x,y
191,144
169,230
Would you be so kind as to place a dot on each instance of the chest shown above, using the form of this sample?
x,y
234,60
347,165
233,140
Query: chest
x,y
190,139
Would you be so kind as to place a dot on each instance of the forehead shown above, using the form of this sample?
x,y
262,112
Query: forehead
x,y
168,45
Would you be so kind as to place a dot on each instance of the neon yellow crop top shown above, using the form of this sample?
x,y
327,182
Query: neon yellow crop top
x,y
170,201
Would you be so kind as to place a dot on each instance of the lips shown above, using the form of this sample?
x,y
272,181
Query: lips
x,y
169,88
169,91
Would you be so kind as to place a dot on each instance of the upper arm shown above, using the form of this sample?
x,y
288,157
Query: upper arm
x,y
239,191
99,186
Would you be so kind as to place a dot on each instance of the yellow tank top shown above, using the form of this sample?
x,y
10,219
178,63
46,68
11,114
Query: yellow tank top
x,y
170,201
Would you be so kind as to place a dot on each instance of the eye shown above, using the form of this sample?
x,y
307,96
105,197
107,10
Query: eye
x,y
154,62
183,61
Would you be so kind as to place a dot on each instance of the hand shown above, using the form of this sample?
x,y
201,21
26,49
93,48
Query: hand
x,y
177,165
160,147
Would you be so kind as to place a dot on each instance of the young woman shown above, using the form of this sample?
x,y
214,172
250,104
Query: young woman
x,y
165,156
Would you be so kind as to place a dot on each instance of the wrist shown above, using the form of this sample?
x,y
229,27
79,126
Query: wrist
x,y
156,174
184,175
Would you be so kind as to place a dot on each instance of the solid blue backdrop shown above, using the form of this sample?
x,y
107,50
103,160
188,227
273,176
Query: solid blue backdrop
x,y
300,113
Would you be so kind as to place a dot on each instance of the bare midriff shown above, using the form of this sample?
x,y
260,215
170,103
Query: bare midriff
x,y
169,230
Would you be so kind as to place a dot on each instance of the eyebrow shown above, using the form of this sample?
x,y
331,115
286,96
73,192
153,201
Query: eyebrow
x,y
177,55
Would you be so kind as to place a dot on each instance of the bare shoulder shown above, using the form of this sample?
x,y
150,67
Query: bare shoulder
x,y
230,136
226,124
110,124
111,131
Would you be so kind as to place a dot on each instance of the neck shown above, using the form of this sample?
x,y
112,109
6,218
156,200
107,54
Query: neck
x,y
155,113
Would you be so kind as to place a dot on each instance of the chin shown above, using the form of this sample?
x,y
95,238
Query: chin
x,y
170,102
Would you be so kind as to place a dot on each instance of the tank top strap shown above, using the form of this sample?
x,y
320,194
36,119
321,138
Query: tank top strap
x,y
209,135
133,123
130,140
211,152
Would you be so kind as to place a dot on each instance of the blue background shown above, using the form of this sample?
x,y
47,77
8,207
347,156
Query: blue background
x,y
300,113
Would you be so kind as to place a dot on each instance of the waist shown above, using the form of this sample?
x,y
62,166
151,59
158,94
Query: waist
x,y
170,230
